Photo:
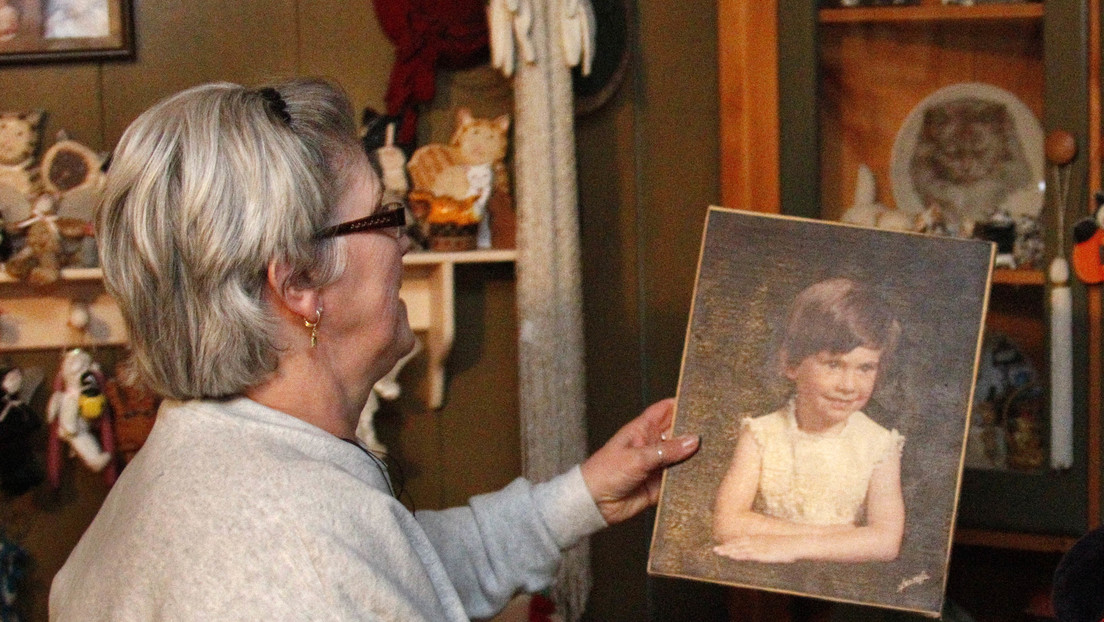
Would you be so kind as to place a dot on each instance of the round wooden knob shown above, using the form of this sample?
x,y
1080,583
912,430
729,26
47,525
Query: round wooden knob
x,y
1061,147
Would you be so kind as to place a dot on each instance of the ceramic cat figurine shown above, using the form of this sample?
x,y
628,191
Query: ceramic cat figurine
x,y
459,188
968,159
442,169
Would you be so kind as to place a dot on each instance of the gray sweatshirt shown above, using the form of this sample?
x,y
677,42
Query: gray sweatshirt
x,y
235,511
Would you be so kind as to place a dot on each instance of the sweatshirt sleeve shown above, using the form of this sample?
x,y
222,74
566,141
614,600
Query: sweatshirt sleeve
x,y
510,541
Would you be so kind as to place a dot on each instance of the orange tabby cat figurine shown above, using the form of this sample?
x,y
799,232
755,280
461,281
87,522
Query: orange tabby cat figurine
x,y
471,168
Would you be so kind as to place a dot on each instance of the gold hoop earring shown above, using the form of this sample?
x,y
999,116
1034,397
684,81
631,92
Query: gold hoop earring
x,y
313,326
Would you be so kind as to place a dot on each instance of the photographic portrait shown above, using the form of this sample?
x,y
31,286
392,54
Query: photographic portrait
x,y
829,371
36,31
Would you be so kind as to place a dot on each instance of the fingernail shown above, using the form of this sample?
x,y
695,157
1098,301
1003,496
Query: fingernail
x,y
689,441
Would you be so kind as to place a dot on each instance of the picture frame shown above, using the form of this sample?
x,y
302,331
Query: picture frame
x,y
751,269
1013,182
47,31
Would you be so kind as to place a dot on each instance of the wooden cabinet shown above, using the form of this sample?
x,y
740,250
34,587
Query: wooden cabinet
x,y
808,94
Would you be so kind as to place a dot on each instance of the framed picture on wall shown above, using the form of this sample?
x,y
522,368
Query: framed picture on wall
x,y
829,370
34,31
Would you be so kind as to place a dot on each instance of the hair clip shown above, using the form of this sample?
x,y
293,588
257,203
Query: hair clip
x,y
276,104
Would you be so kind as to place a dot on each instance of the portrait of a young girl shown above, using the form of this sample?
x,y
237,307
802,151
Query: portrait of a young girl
x,y
828,370
818,478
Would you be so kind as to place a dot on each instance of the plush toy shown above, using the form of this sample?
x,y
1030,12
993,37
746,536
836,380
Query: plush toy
x,y
76,407
69,166
19,469
1088,247
40,260
386,388
20,137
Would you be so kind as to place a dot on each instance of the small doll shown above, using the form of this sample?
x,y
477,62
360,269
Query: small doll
x,y
19,469
76,407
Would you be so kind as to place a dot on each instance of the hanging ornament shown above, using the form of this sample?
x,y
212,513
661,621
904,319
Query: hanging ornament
x,y
1061,147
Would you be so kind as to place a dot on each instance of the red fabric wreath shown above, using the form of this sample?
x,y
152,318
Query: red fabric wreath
x,y
451,34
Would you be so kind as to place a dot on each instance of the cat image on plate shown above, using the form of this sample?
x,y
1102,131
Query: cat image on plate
x,y
968,159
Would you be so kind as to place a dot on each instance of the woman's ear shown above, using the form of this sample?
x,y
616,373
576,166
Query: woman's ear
x,y
301,301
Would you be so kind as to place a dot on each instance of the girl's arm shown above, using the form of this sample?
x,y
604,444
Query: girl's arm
x,y
733,516
878,540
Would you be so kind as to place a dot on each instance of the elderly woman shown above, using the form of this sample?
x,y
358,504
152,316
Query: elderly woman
x,y
258,274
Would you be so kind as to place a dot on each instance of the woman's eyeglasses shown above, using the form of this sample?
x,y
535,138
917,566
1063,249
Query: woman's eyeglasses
x,y
393,217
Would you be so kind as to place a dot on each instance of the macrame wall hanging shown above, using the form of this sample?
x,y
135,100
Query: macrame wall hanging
x,y
537,41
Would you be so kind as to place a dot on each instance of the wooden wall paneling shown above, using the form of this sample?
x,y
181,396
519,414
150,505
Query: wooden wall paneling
x,y
799,140
71,99
611,303
479,426
342,40
184,44
748,90
470,446
676,156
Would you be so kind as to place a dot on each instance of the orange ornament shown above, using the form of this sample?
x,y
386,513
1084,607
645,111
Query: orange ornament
x,y
1061,147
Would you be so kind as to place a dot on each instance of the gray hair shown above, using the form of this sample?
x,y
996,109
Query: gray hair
x,y
204,190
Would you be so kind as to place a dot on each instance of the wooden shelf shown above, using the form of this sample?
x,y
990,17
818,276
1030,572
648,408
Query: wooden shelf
x,y
1040,543
36,318
1019,277
427,290
928,12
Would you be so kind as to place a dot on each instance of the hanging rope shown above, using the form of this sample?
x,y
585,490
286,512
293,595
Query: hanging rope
x,y
551,374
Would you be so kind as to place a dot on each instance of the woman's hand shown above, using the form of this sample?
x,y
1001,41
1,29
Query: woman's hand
x,y
624,475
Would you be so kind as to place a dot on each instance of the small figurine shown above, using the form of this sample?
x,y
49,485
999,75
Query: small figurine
x,y
1029,247
1025,445
19,469
386,388
9,22
76,404
1088,247
865,209
20,137
1001,229
469,169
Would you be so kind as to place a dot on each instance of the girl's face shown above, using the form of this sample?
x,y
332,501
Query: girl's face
x,y
829,387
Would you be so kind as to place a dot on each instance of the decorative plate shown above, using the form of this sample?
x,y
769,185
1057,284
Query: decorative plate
x,y
970,149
